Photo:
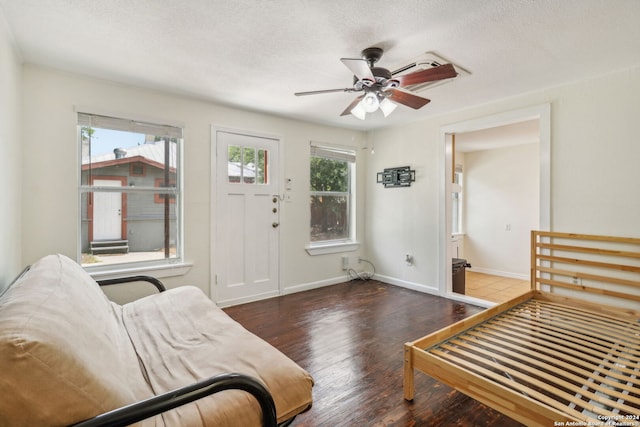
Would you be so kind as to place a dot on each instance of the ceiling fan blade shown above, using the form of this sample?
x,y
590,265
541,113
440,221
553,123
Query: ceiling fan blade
x,y
441,72
359,68
352,105
407,98
316,92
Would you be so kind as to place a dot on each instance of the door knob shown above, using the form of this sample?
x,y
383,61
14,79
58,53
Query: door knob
x,y
275,224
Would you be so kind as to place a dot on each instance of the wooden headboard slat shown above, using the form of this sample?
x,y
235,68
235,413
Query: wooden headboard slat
x,y
592,237
585,249
611,266
588,276
598,291
586,267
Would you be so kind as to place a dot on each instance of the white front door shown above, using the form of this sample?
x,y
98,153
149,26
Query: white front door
x,y
246,220
107,211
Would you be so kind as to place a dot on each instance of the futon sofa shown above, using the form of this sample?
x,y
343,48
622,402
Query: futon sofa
x,y
69,354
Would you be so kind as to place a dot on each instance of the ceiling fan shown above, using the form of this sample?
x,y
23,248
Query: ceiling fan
x,y
381,88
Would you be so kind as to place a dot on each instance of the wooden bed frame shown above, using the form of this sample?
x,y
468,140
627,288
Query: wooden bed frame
x,y
547,357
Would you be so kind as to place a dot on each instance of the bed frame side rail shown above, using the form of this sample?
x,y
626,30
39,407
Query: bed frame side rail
x,y
438,336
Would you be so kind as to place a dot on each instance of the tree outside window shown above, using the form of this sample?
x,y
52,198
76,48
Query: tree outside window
x,y
331,180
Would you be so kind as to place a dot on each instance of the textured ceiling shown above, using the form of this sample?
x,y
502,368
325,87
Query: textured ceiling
x,y
255,54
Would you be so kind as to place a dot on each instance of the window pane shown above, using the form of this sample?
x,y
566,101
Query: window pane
x,y
329,217
331,193
116,153
249,165
121,227
129,192
455,213
262,167
234,161
329,175
456,203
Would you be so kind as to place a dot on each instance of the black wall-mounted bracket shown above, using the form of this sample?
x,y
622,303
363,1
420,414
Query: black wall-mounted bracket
x,y
396,177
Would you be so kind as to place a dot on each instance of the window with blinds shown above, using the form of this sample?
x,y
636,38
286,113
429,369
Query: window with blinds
x,y
332,173
130,190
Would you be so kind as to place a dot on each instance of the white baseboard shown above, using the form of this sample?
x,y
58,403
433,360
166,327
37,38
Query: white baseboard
x,y
285,291
314,285
433,290
386,279
470,300
244,300
500,273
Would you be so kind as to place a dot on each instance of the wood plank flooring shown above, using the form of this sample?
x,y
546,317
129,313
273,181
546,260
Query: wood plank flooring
x,y
350,338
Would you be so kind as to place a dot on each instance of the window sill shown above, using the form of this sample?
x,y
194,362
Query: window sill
x,y
332,248
158,271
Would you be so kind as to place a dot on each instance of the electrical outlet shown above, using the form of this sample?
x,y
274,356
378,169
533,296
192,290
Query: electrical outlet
x,y
345,262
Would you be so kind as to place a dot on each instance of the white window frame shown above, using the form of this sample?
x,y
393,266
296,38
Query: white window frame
x,y
344,244
166,267
457,188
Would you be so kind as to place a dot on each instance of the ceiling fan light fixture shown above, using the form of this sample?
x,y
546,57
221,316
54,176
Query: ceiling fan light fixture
x,y
387,106
370,102
359,111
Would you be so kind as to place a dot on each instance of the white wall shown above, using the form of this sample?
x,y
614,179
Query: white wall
x,y
10,158
501,207
594,172
50,204
404,221
594,155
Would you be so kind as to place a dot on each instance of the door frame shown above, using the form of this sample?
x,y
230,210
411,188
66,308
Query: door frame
x,y
540,112
123,205
214,264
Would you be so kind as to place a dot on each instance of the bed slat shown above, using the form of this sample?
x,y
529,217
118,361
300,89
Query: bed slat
x,y
573,372
477,346
559,347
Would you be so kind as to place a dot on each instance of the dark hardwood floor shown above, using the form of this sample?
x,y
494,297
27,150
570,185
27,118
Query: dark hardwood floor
x,y
350,338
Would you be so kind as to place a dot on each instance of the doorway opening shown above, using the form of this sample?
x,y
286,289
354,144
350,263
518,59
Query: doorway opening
x,y
494,232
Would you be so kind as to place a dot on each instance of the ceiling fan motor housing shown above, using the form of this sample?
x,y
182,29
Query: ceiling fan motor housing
x,y
372,55
381,73
383,82
381,77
